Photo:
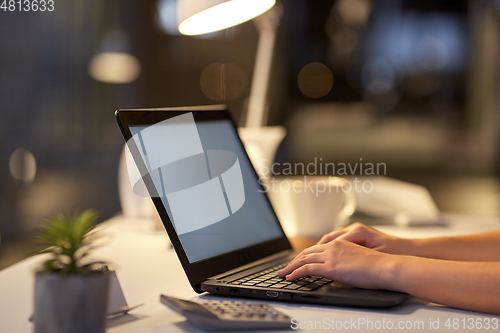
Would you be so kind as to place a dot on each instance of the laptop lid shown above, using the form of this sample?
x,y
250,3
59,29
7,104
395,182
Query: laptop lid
x,y
206,191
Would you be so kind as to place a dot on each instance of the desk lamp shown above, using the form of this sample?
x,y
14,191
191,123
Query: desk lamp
x,y
204,16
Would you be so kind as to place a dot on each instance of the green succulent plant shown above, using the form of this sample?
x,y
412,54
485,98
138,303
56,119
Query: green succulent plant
x,y
69,239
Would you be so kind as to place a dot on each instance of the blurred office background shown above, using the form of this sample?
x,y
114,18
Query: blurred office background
x,y
412,84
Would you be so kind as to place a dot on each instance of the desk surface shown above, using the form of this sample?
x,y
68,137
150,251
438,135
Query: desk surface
x,y
146,266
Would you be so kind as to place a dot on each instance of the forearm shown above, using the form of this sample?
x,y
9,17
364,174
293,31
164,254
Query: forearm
x,y
466,285
480,247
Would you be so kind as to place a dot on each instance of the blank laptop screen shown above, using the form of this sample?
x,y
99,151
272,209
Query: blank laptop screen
x,y
207,185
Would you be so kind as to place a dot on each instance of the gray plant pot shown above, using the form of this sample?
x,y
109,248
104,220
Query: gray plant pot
x,y
71,304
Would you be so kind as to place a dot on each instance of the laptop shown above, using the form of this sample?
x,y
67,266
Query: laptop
x,y
192,163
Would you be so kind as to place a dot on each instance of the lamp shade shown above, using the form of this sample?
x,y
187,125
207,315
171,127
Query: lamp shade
x,y
203,16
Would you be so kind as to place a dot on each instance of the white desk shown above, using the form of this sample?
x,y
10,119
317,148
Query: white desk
x,y
147,266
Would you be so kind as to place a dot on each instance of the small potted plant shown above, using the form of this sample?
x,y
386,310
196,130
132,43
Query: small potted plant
x,y
71,293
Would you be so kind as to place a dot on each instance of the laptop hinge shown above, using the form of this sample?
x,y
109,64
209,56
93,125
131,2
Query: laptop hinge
x,y
273,257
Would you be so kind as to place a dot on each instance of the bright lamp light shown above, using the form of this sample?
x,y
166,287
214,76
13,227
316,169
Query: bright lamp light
x,y
114,67
205,16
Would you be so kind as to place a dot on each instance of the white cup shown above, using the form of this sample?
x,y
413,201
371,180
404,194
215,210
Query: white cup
x,y
318,205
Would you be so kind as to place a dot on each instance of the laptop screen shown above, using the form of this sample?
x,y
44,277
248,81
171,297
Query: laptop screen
x,y
207,185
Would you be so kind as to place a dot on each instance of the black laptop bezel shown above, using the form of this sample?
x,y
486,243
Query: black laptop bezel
x,y
199,271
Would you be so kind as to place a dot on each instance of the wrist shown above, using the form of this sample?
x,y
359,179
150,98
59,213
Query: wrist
x,y
388,271
393,272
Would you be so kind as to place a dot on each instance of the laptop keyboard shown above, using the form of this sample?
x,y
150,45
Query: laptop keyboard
x,y
269,279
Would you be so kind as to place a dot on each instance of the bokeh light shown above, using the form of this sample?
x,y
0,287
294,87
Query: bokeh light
x,y
22,165
354,12
114,67
378,76
223,81
167,16
315,80
432,54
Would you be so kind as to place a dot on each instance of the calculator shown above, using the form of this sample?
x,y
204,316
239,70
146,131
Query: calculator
x,y
214,315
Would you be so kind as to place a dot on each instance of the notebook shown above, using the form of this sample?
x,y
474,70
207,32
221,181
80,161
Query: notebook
x,y
214,208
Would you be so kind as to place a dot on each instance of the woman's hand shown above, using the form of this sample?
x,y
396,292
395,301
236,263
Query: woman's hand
x,y
368,237
343,261
353,255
